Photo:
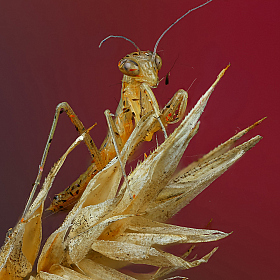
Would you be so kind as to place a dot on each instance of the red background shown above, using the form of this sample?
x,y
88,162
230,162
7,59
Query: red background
x,y
49,53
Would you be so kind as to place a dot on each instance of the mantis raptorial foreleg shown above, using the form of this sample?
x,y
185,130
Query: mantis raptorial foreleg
x,y
175,109
154,104
173,112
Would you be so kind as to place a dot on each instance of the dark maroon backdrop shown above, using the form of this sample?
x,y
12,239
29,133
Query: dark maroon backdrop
x,y
49,53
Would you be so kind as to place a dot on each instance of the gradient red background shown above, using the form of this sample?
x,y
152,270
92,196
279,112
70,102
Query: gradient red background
x,y
49,53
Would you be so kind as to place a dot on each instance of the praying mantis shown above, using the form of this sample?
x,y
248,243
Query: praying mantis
x,y
140,71
140,74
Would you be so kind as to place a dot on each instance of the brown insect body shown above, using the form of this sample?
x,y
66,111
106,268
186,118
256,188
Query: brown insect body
x,y
140,71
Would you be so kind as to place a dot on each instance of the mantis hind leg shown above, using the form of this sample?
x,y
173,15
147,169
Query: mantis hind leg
x,y
94,152
65,107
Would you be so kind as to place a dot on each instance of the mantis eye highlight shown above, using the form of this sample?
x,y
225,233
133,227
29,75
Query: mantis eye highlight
x,y
129,67
158,62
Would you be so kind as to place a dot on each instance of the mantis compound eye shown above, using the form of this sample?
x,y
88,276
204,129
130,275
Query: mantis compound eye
x,y
129,67
158,62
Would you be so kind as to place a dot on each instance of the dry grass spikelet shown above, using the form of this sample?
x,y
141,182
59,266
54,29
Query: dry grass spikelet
x,y
107,229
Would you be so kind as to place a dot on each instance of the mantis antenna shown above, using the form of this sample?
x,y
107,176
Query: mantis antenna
x,y
189,11
122,37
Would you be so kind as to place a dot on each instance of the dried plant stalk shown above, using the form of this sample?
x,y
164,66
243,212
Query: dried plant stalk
x,y
106,229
